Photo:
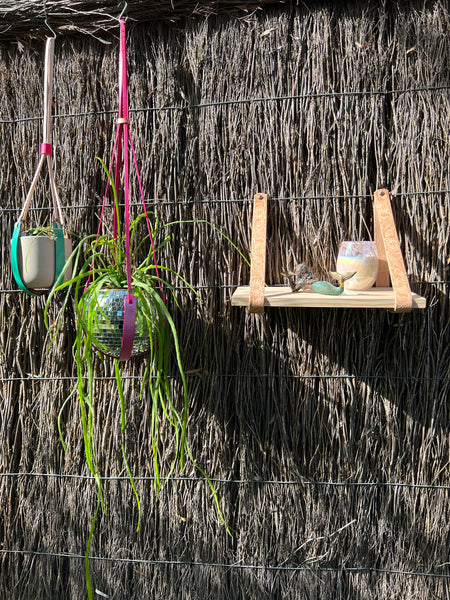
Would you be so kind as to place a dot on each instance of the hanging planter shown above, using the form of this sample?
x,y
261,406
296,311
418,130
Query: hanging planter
x,y
36,257
38,254
117,308
121,310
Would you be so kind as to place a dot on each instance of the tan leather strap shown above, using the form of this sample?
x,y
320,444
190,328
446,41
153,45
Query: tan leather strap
x,y
390,259
258,269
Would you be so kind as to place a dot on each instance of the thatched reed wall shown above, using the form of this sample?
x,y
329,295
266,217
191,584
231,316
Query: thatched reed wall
x,y
327,431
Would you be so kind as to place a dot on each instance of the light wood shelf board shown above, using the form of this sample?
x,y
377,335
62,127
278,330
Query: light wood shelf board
x,y
283,296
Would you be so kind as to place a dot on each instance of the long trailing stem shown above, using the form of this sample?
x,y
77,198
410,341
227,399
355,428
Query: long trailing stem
x,y
86,405
88,548
66,401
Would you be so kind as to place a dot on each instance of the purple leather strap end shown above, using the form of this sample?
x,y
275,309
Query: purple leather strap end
x,y
129,323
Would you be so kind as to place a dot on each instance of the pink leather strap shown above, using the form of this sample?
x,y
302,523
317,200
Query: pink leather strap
x,y
129,326
46,146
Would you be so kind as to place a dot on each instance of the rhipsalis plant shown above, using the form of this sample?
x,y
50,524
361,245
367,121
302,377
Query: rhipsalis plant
x,y
99,274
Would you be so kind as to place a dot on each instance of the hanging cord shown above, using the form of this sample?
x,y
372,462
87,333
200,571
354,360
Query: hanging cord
x,y
121,149
124,121
46,146
123,136
124,125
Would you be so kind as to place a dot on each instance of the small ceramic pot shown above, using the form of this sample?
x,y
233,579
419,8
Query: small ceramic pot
x,y
36,260
108,320
361,257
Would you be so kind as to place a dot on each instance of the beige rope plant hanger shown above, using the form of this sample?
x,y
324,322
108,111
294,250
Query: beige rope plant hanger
x,y
38,261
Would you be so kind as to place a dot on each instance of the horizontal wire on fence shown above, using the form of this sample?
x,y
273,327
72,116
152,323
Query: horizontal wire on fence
x,y
234,286
39,379
212,201
239,101
231,566
254,481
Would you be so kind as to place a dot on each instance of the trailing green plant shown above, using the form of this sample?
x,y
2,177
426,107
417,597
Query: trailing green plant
x,y
101,261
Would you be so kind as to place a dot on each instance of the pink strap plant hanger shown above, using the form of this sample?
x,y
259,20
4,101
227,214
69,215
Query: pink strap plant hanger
x,y
122,144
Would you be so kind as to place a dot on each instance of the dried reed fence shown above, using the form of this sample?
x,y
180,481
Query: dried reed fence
x,y
33,19
327,431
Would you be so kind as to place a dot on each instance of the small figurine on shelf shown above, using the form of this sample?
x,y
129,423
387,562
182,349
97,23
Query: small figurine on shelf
x,y
325,287
301,279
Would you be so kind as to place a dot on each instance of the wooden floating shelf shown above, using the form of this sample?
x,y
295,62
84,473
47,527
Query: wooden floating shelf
x,y
391,271
279,296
